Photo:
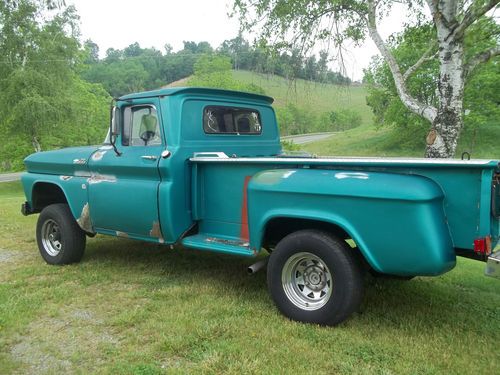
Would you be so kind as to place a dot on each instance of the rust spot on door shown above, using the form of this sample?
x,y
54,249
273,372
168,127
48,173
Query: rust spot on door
x,y
156,232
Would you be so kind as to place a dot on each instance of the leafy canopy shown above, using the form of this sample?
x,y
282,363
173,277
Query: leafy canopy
x,y
43,102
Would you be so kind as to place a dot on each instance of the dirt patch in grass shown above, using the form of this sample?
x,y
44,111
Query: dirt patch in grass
x,y
56,344
7,256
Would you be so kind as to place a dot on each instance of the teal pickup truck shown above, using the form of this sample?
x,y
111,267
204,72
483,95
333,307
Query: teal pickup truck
x,y
204,168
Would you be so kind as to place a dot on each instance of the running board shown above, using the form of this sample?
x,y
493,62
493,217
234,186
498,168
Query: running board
x,y
218,244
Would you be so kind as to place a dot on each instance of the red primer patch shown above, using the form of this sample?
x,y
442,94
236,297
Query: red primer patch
x,y
244,236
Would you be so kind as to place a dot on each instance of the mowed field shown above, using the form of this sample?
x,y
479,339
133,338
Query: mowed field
x,y
135,308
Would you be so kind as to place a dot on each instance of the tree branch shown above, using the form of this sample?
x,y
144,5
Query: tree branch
x,y
425,57
432,4
471,15
480,58
428,112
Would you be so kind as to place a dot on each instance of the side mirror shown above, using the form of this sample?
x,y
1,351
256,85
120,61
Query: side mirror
x,y
114,128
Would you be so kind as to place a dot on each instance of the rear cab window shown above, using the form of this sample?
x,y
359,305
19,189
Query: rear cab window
x,y
231,120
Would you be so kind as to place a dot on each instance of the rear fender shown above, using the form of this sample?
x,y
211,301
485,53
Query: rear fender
x,y
397,221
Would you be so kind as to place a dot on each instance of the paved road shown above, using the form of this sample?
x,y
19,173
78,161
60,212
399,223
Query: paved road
x,y
306,138
5,177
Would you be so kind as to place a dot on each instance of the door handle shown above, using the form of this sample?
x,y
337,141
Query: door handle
x,y
149,157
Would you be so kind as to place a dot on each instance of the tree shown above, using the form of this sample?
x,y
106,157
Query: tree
x,y
92,50
481,93
215,71
239,51
43,102
305,22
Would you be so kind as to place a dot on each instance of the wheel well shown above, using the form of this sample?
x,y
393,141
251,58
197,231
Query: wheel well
x,y
278,228
45,194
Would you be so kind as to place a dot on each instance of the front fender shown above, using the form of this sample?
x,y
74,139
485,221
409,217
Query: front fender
x,y
74,189
397,221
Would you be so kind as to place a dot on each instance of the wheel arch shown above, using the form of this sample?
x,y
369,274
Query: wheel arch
x,y
278,225
46,193
44,190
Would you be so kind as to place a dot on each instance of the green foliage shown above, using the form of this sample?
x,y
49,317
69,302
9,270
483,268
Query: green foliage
x,y
43,102
214,70
136,69
290,64
290,146
294,120
341,120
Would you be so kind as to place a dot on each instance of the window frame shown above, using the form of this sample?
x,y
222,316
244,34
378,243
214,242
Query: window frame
x,y
129,136
235,108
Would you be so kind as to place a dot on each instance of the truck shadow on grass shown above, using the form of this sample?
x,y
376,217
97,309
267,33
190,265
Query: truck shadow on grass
x,y
422,305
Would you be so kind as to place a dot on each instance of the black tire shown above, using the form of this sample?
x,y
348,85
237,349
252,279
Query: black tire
x,y
60,239
339,298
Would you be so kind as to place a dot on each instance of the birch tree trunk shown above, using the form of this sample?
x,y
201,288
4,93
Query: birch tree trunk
x,y
448,122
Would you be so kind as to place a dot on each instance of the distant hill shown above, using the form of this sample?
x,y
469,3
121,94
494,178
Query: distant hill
x,y
318,97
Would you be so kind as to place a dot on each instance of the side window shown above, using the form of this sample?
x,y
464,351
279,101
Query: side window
x,y
231,120
141,126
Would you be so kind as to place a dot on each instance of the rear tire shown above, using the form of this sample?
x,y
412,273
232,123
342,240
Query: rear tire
x,y
60,239
315,277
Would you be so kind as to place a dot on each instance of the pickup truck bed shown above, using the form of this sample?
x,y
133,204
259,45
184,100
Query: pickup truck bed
x,y
445,204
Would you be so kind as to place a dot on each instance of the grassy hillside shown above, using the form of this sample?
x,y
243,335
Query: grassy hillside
x,y
316,96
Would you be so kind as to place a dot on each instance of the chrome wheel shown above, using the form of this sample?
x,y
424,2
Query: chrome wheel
x,y
51,237
307,281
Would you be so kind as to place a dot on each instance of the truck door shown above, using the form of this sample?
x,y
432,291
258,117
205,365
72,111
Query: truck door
x,y
123,190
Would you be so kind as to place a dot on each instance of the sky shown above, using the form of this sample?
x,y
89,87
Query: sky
x,y
153,23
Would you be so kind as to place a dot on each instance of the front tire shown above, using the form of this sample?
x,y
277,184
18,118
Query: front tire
x,y
60,239
315,277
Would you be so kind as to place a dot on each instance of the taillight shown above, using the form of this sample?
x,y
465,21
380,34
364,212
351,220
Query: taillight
x,y
482,245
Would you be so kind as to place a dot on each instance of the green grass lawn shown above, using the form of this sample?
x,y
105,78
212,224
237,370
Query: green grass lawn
x,y
135,308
